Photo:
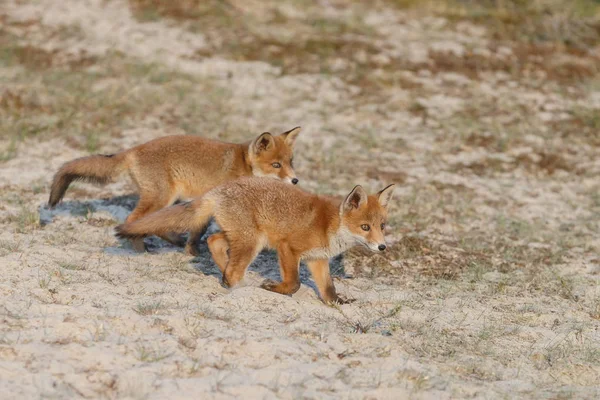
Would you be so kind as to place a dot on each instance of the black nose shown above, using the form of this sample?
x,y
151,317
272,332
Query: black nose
x,y
381,247
295,180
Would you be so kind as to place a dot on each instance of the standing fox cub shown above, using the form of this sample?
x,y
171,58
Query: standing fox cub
x,y
255,213
181,167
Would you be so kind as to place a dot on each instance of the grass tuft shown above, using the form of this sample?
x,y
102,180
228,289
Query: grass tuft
x,y
26,220
151,354
151,308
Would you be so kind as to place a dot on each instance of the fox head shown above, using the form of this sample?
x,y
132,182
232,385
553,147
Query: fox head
x,y
272,155
364,217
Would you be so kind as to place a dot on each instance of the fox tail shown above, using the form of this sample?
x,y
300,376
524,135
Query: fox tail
x,y
180,218
96,169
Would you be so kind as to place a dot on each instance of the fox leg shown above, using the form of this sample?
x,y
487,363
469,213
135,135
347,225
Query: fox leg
x,y
193,240
174,239
241,254
218,246
319,269
139,211
288,264
148,203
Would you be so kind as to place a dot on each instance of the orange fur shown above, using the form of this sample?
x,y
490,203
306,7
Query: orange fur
x,y
255,213
174,168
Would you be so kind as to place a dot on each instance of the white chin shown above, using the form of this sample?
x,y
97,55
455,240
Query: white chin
x,y
365,245
373,248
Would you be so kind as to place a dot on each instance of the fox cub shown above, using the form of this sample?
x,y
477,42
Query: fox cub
x,y
172,168
256,213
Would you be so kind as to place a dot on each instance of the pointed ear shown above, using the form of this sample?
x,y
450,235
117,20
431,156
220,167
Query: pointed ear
x,y
290,136
264,142
356,199
385,195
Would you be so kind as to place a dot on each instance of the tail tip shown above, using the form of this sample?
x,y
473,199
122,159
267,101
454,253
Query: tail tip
x,y
121,232
54,198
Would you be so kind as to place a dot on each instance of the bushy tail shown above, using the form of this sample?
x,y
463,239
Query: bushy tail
x,y
95,169
181,218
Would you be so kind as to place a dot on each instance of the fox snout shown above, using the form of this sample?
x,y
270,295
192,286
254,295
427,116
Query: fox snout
x,y
376,247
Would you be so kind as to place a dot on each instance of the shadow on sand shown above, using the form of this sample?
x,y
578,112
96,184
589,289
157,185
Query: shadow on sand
x,y
265,264
119,207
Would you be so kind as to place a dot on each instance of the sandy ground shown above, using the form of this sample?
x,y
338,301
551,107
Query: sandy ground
x,y
492,287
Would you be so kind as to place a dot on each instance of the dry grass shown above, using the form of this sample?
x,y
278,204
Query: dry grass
x,y
584,125
150,308
554,62
558,48
151,354
87,100
25,220
570,23
73,267
148,10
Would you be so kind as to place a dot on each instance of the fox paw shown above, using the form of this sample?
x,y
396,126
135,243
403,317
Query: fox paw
x,y
191,250
341,300
225,283
179,242
269,284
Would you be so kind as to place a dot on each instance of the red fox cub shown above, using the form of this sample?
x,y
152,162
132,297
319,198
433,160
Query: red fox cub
x,y
255,213
181,167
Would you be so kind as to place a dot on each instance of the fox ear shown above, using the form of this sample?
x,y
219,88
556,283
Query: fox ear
x,y
356,199
385,195
290,136
264,142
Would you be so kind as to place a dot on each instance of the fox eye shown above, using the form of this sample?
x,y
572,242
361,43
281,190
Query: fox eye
x,y
276,165
365,227
382,226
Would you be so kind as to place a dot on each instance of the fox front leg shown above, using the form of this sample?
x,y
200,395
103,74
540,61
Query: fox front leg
x,y
319,269
288,264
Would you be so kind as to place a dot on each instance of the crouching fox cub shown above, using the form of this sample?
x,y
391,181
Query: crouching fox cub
x,y
256,213
181,167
